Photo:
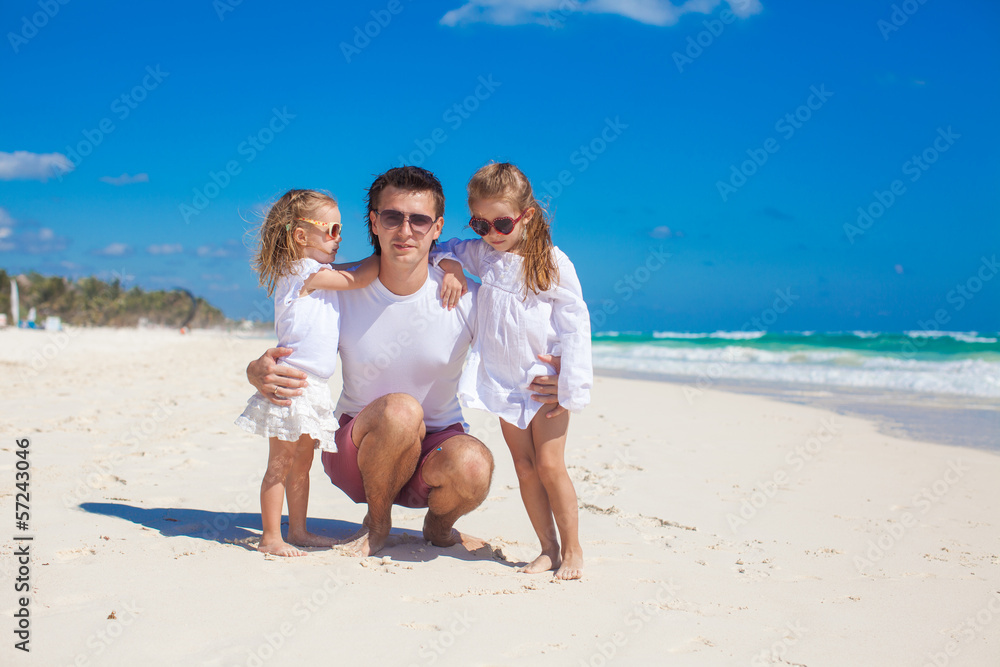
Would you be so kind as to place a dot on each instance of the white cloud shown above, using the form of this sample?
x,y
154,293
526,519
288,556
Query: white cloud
x,y
25,166
114,250
664,232
502,12
31,239
212,251
228,249
125,179
6,231
27,237
745,8
165,249
554,12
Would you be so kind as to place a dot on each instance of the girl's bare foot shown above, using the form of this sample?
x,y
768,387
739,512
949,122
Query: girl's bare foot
x,y
547,560
307,539
572,565
279,548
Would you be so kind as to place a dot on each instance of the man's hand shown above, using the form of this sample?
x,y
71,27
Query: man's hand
x,y
546,387
276,382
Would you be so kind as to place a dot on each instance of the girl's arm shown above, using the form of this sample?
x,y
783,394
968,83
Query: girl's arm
x,y
337,279
571,321
467,251
454,285
347,266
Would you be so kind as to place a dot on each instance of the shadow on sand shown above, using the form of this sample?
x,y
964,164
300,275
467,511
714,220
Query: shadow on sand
x,y
242,529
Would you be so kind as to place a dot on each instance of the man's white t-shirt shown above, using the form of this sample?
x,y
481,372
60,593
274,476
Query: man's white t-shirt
x,y
405,344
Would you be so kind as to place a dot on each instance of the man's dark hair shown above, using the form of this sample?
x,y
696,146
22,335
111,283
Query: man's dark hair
x,y
411,179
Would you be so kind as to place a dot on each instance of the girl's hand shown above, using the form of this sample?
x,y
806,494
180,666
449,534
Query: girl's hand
x,y
546,387
454,284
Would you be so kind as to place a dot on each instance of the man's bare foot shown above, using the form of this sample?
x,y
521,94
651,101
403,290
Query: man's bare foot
x,y
547,560
473,543
365,543
307,539
279,548
440,533
572,565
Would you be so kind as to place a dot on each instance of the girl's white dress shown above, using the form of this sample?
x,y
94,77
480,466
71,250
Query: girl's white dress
x,y
512,328
310,325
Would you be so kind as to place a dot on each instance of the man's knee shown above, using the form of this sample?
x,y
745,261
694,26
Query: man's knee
x,y
480,467
401,411
474,466
396,421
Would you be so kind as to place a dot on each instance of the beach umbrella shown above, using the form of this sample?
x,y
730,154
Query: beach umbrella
x,y
15,306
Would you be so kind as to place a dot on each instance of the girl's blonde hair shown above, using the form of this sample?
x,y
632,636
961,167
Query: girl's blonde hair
x,y
504,181
275,248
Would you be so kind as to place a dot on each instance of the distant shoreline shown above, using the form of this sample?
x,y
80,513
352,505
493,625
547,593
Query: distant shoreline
x,y
964,421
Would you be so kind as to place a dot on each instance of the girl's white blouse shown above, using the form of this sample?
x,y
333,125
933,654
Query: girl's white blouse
x,y
310,324
514,327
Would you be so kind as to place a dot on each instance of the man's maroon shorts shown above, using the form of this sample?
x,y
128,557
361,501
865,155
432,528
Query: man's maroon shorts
x,y
342,466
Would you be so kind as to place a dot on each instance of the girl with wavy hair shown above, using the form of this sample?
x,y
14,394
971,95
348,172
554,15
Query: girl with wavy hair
x,y
530,309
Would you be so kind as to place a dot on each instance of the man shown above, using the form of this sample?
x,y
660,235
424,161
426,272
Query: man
x,y
402,439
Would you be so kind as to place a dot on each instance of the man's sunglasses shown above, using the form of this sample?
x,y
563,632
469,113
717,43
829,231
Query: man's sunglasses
x,y
331,228
504,225
392,219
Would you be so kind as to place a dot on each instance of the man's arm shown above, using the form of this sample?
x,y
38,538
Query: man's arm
x,y
276,382
546,387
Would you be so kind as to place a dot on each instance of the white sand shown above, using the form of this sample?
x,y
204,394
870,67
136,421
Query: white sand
x,y
144,503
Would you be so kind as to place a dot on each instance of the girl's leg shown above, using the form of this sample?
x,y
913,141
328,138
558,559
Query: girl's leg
x,y
272,497
297,492
533,494
549,436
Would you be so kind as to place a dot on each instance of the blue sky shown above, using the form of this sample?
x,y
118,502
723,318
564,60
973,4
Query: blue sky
x,y
705,160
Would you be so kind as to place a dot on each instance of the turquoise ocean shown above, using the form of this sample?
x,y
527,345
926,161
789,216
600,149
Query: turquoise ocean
x,y
951,363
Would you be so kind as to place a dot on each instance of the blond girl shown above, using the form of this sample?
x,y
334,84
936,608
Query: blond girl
x,y
530,309
297,241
